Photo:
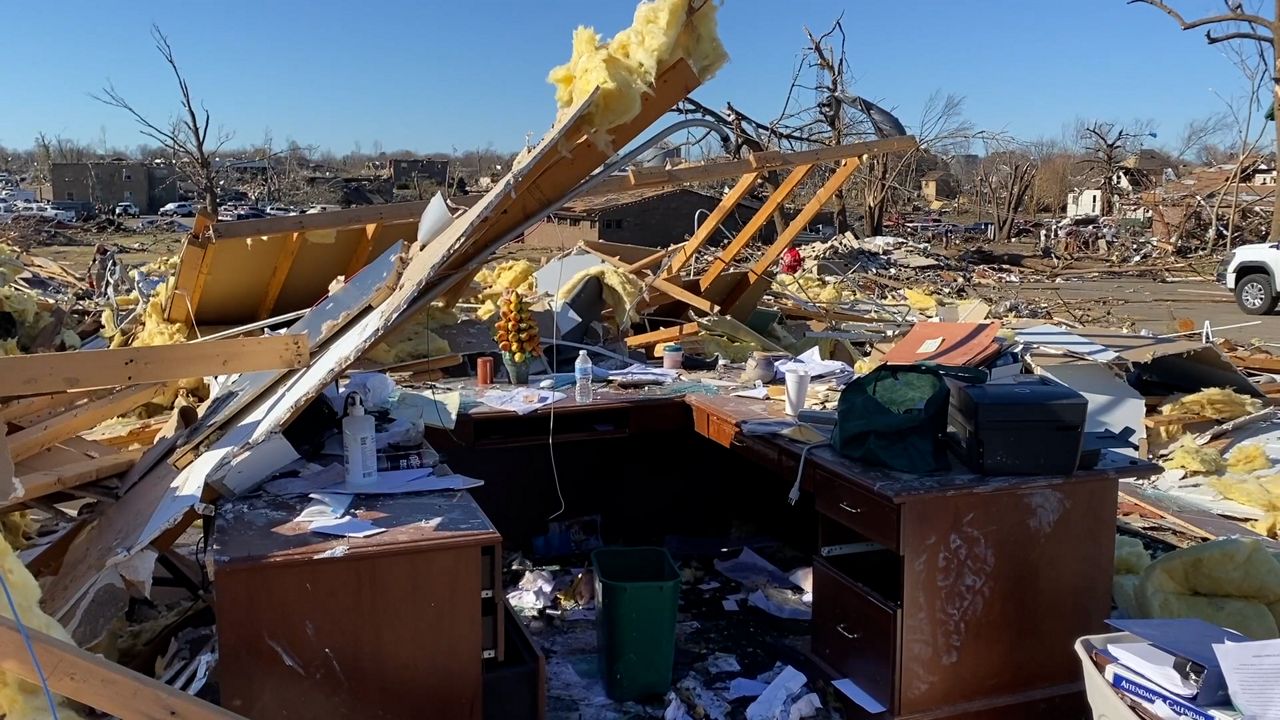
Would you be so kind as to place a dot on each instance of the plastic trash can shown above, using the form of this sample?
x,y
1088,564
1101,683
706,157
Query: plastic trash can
x,y
637,596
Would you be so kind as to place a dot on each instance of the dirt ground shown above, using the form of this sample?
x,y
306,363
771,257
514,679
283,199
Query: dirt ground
x,y
1159,306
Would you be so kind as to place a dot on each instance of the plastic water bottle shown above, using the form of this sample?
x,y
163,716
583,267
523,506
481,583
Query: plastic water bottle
x,y
358,444
582,378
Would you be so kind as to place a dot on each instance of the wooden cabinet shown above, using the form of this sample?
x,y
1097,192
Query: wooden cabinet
x,y
396,625
961,601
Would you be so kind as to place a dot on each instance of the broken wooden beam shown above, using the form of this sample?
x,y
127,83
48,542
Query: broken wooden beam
x,y
90,369
97,682
38,484
29,441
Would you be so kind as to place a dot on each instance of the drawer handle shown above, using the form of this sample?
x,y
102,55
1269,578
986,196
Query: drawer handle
x,y
846,633
847,508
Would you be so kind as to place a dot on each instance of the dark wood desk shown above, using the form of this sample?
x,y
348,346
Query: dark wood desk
x,y
396,625
965,592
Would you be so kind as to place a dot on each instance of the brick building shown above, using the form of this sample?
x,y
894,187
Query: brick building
x,y
651,218
106,183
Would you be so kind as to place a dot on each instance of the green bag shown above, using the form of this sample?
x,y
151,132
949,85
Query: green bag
x,y
896,416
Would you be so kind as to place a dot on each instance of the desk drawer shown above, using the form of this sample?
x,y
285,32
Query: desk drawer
x,y
857,509
853,633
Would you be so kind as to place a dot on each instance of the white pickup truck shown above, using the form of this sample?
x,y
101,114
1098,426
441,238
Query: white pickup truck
x,y
1252,271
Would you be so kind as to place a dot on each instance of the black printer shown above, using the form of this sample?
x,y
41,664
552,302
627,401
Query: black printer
x,y
1025,426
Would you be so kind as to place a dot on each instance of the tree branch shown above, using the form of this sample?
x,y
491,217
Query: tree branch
x,y
1201,22
1240,35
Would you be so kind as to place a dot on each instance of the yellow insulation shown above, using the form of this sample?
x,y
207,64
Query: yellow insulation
x,y
809,286
1220,404
920,301
1233,582
1195,459
624,68
19,699
415,340
621,290
1247,458
1261,493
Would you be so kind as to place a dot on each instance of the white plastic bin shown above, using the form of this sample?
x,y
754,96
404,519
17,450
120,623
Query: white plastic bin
x,y
1104,701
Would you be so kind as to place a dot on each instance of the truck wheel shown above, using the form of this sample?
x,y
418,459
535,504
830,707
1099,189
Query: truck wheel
x,y
1255,295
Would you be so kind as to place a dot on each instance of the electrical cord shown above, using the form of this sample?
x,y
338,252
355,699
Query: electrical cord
x,y
26,639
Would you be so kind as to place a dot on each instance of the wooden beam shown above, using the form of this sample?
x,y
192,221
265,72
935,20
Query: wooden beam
x,y
25,443
766,261
38,484
652,259
708,228
89,369
1261,364
360,257
733,168
193,267
663,335
279,274
15,411
725,259
97,682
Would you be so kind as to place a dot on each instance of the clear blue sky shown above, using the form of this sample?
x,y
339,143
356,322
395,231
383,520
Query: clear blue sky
x,y
428,75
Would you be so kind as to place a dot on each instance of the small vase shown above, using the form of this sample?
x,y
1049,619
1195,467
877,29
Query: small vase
x,y
517,372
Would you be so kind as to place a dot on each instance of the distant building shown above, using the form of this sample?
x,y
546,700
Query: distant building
x,y
652,218
147,185
939,185
405,171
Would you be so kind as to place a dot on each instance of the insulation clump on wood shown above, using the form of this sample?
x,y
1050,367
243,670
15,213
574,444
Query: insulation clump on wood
x,y
1247,458
1131,560
623,68
1194,459
622,290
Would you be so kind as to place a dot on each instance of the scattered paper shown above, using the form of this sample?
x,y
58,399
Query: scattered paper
x,y
805,707
521,401
534,591
929,346
812,363
1156,664
325,506
429,407
803,578
637,373
730,604
722,663
744,687
752,570
1252,670
760,393
782,603
305,484
859,696
773,702
346,527
710,585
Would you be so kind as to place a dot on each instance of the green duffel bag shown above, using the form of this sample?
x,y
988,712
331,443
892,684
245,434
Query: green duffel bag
x,y
896,416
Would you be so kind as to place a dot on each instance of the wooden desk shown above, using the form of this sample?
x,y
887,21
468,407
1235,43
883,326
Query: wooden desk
x,y
389,626
967,591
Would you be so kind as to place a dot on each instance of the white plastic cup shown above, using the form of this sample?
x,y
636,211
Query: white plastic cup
x,y
797,389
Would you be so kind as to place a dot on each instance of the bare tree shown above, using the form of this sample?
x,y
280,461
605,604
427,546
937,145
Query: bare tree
x,y
187,136
1003,180
1200,133
1108,147
1236,24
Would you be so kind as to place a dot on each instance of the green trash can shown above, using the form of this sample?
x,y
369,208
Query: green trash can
x,y
637,596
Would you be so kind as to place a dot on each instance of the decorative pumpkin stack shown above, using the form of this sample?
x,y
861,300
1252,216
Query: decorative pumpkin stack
x,y
517,336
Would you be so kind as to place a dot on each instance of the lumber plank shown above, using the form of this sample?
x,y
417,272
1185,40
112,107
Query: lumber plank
x,y
18,410
646,262
725,259
360,256
731,168
38,484
1256,363
25,443
98,682
663,335
90,369
709,226
193,265
284,263
770,256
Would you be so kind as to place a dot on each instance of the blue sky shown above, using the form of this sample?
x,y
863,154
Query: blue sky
x,y
428,75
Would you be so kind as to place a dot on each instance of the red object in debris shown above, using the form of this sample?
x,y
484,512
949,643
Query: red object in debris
x,y
792,261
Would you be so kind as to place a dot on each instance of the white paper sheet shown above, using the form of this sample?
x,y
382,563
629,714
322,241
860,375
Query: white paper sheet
x,y
781,603
772,702
859,696
760,393
752,570
1252,670
325,506
811,361
346,527
1156,664
722,663
422,484
521,401
744,687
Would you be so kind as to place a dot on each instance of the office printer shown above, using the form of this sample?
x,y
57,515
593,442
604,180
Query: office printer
x,y
1027,425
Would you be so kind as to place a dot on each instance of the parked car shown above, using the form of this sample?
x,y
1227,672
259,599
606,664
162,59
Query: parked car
x,y
322,208
46,212
277,210
978,228
178,209
1251,271
230,214
7,207
127,209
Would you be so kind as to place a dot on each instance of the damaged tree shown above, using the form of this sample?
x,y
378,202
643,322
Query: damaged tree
x,y
1108,148
1247,26
187,138
1003,181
